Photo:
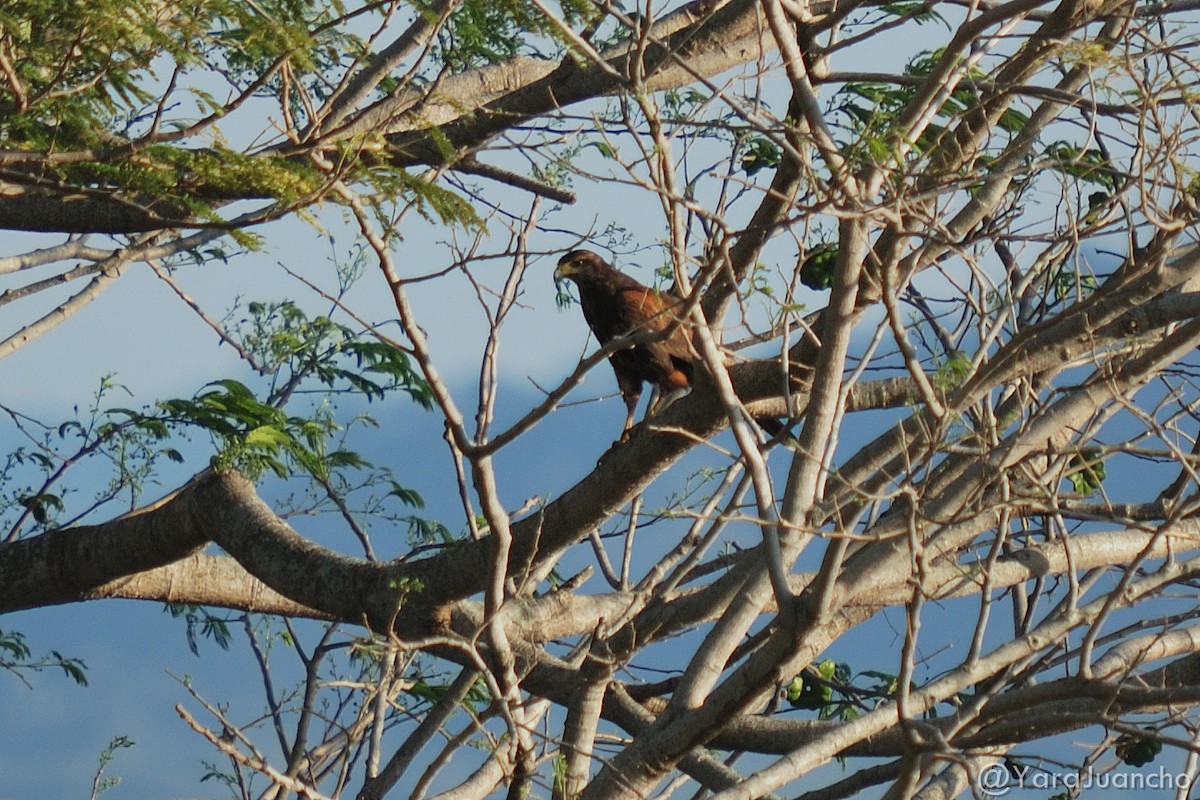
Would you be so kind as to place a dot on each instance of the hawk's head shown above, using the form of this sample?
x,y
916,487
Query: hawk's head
x,y
581,265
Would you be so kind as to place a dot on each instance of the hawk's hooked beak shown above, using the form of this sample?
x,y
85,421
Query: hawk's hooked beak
x,y
564,270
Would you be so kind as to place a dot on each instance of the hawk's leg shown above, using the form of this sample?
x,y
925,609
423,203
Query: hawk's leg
x,y
660,402
631,393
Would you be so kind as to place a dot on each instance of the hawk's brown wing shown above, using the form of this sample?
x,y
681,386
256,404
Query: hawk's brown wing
x,y
667,363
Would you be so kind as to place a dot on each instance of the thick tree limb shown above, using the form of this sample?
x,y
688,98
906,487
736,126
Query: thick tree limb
x,y
65,565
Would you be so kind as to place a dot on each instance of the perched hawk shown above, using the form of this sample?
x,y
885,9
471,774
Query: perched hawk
x,y
614,305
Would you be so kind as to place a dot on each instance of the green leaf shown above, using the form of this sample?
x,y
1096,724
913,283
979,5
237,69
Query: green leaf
x,y
812,693
1087,472
477,696
40,505
70,426
268,438
200,623
603,148
1089,166
74,668
951,373
759,152
1137,751
885,682
407,496
919,12
13,643
817,267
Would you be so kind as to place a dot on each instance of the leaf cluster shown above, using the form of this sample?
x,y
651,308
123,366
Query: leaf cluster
x,y
478,698
1086,472
76,65
258,435
823,687
293,346
1138,751
482,32
433,202
16,656
833,690
89,79
817,266
201,623
874,110
130,457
